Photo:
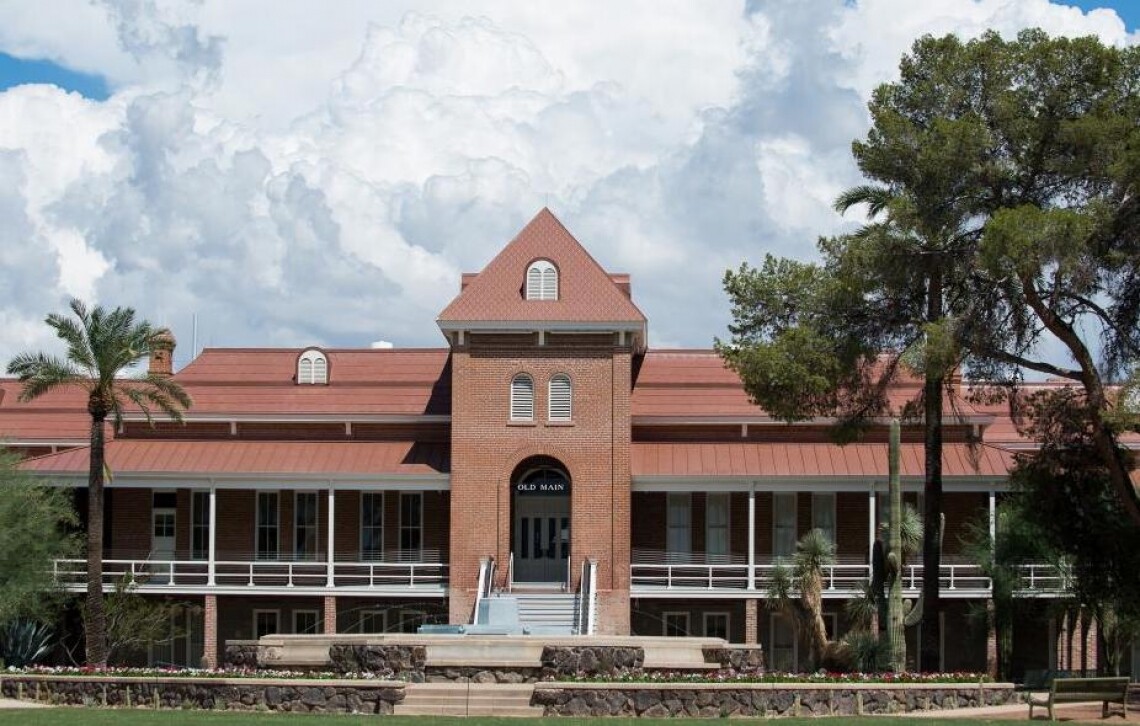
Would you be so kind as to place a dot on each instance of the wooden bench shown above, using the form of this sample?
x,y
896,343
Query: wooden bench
x,y
1072,690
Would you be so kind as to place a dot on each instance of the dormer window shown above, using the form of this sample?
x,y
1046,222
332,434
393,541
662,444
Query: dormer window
x,y
312,367
542,281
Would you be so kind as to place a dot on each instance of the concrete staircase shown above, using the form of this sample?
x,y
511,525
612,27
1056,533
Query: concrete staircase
x,y
548,613
467,699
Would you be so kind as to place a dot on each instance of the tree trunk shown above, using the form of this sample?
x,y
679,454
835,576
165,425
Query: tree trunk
x,y
930,627
95,623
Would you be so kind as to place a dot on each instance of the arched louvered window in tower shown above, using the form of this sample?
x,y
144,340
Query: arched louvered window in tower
x,y
312,367
561,398
542,281
522,398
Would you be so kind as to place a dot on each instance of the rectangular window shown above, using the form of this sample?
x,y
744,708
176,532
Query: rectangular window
x,y
268,530
305,525
306,622
678,539
266,622
373,621
716,526
784,524
199,525
675,624
716,625
411,620
372,526
411,525
783,650
823,513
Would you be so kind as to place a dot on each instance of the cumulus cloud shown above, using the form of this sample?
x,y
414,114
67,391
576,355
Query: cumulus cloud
x,y
292,176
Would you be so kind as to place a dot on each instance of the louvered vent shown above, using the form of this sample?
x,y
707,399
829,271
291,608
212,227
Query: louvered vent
x,y
560,398
542,281
522,398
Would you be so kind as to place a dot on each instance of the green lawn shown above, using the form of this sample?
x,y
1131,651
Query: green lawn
x,y
112,717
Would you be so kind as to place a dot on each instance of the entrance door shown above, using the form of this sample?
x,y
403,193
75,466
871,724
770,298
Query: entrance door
x,y
542,539
163,520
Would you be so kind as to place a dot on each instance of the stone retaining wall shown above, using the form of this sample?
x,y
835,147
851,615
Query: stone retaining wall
x,y
660,700
593,660
223,694
405,662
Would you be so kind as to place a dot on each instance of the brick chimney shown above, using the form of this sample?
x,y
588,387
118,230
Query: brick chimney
x,y
162,354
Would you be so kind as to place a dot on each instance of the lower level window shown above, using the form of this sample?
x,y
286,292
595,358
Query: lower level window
x,y
411,524
306,622
266,622
411,620
716,625
676,624
373,621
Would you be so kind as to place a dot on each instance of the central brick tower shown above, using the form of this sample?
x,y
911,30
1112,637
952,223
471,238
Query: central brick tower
x,y
543,344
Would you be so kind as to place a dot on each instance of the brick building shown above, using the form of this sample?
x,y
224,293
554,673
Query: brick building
x,y
545,450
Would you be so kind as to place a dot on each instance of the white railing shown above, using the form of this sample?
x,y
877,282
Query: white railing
x,y
257,573
483,584
510,572
837,579
592,603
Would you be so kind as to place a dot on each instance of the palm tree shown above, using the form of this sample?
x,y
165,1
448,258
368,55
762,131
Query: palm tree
x,y
101,346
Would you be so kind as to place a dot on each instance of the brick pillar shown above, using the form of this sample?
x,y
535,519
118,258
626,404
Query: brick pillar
x,y
1064,644
1077,636
991,641
1091,662
210,645
751,621
330,615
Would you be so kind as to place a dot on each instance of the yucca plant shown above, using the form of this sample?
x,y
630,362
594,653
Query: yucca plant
x,y
25,642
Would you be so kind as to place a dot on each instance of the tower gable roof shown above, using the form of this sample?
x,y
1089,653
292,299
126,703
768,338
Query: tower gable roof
x,y
586,292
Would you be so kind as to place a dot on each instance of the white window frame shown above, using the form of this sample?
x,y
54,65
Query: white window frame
x,y
316,615
312,368
412,615
678,536
418,552
276,613
682,615
777,527
705,617
381,614
712,527
315,526
542,281
522,409
817,508
258,554
373,555
563,400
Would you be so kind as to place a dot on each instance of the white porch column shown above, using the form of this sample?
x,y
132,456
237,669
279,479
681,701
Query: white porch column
x,y
211,552
993,519
871,524
331,531
752,537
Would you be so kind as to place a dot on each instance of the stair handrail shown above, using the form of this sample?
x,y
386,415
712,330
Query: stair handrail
x,y
481,586
510,572
592,608
583,584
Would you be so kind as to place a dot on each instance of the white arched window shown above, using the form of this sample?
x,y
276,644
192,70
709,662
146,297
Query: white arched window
x,y
312,367
542,281
522,398
561,398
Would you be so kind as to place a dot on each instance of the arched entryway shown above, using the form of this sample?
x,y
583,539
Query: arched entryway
x,y
540,521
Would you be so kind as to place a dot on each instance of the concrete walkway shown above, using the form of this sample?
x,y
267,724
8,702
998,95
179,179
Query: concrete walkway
x,y
1066,712
6,703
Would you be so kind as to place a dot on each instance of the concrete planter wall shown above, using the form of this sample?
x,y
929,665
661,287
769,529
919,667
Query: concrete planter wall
x,y
762,699
225,694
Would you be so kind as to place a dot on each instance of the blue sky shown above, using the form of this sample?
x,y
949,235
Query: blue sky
x,y
290,176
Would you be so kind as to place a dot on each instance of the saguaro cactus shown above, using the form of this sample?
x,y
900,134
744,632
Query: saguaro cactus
x,y
896,638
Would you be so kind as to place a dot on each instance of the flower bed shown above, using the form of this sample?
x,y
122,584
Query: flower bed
x,y
733,676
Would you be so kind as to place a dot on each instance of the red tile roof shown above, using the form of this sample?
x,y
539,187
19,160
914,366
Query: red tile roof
x,y
696,383
248,382
60,415
364,458
586,292
808,460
